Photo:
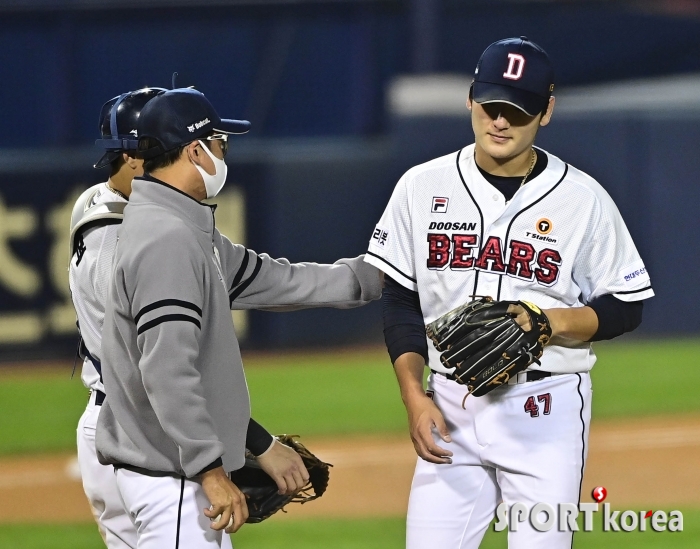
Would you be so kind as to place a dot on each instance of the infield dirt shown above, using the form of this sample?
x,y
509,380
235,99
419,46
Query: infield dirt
x,y
641,462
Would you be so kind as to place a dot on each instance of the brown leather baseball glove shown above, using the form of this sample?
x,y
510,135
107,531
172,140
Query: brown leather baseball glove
x,y
261,491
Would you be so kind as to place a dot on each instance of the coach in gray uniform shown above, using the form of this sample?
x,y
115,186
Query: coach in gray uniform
x,y
177,413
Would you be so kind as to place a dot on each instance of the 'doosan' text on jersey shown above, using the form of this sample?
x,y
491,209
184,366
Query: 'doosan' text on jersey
x,y
560,242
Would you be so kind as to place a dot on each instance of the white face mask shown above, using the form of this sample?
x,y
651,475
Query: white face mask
x,y
213,183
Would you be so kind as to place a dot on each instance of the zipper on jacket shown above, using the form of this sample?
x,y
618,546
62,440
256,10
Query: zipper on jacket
x,y
217,259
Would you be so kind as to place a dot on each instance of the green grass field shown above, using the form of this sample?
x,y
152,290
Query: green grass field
x,y
641,378
345,394
348,393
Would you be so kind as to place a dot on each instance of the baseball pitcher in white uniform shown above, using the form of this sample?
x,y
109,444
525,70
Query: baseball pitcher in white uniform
x,y
504,219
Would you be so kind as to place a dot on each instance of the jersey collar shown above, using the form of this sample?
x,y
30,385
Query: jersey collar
x,y
534,190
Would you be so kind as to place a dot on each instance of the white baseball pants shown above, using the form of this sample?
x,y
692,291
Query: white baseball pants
x,y
169,512
507,447
100,485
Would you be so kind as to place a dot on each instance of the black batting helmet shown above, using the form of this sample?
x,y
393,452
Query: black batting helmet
x,y
118,119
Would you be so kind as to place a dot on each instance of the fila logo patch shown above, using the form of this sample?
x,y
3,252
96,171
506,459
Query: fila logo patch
x,y
516,65
439,204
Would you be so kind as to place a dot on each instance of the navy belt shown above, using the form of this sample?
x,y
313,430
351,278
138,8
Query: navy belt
x,y
99,397
146,472
524,377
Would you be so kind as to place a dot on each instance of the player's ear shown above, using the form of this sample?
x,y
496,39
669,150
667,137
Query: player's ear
x,y
469,97
548,113
193,152
132,161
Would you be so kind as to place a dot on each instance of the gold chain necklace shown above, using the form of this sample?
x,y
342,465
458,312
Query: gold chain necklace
x,y
532,166
119,193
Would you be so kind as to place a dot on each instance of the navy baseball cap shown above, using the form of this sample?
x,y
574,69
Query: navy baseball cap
x,y
180,116
515,71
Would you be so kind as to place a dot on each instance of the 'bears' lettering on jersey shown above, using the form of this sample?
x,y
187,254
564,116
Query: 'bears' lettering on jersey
x,y
523,261
491,256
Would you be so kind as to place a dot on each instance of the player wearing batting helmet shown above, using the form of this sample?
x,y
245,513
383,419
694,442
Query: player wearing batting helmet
x,y
505,219
93,238
95,222
178,409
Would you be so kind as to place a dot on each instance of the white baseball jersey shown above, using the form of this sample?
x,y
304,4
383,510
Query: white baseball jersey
x,y
560,242
89,276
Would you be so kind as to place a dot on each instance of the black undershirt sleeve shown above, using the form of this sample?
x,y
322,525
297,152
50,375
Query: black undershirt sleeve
x,y
218,462
257,439
404,331
615,317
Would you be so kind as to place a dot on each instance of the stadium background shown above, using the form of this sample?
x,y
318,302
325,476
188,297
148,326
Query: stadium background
x,y
344,95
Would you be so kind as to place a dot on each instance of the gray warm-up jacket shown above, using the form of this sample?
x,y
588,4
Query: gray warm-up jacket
x,y
177,396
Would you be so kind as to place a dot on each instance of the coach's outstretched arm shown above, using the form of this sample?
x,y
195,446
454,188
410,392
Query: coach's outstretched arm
x,y
257,281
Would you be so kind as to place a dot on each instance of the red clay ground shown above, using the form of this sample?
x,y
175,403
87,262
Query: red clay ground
x,y
640,462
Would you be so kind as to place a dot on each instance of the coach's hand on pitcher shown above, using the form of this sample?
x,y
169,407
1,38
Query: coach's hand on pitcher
x,y
423,415
228,508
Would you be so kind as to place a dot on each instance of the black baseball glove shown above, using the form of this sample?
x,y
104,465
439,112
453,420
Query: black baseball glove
x,y
261,491
485,345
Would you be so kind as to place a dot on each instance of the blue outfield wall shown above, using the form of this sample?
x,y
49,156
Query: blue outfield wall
x,y
36,319
318,202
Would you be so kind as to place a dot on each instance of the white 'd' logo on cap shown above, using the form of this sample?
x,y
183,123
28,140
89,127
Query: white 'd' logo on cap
x,y
516,64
